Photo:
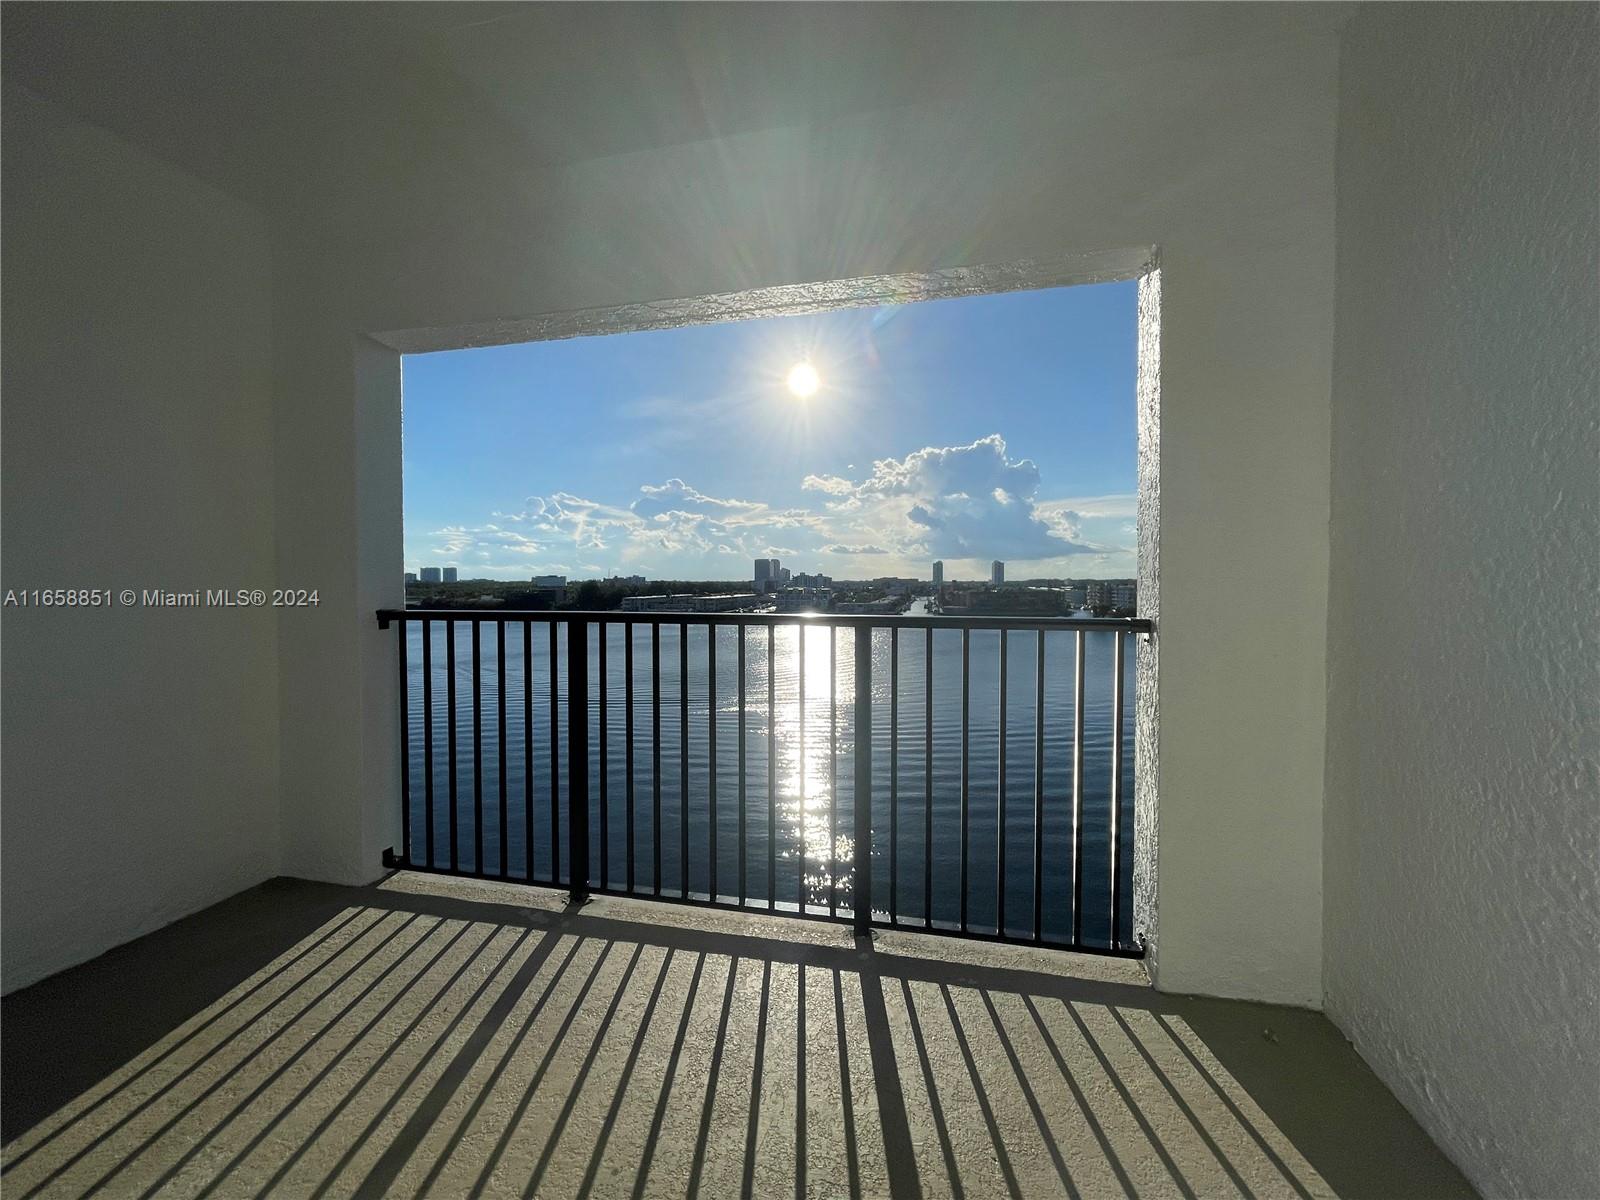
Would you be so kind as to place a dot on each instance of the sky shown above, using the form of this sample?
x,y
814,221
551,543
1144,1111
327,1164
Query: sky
x,y
965,429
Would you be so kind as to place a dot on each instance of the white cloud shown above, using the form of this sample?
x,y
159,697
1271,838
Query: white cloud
x,y
959,502
677,496
973,502
828,483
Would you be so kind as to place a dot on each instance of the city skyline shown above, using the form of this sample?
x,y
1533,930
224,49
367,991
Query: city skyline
x,y
969,430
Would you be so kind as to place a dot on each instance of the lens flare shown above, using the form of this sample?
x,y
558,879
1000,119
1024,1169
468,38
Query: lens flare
x,y
803,380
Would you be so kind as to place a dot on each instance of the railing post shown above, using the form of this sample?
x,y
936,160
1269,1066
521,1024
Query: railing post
x,y
862,851
577,758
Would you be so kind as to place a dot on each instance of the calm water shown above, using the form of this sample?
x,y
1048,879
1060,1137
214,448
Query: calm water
x,y
808,771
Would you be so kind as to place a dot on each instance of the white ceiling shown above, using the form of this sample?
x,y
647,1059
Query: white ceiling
x,y
278,103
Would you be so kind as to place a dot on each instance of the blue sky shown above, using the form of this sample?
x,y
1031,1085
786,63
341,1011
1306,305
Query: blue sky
x,y
967,429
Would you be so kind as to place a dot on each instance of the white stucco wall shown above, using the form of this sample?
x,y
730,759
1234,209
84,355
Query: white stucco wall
x,y
1463,811
1223,160
140,766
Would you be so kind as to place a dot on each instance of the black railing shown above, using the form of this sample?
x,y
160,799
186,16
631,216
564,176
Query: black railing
x,y
971,847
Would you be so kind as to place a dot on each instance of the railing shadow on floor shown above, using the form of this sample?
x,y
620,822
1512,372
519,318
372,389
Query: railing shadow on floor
x,y
427,1044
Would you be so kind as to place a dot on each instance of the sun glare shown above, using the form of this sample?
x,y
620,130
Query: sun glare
x,y
803,380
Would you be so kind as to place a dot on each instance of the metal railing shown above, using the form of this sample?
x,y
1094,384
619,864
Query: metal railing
x,y
1057,848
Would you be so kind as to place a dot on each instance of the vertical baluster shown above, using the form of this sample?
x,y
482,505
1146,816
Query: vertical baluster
x,y
1116,792
627,697
578,758
833,771
655,751
711,742
1077,791
800,683
894,774
861,874
966,707
601,631
927,781
500,667
1038,788
555,761
405,749
450,730
527,746
477,750
683,759
427,732
772,768
1000,807
739,629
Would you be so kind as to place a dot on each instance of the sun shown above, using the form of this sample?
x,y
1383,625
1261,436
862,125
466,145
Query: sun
x,y
803,380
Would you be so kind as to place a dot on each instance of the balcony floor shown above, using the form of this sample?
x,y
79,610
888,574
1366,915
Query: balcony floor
x,y
441,1037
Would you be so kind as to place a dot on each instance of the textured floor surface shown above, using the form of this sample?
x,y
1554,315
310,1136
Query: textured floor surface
x,y
441,1038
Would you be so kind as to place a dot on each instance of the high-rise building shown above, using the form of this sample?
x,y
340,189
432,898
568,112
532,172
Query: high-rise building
x,y
411,577
432,575
997,573
938,573
450,575
769,575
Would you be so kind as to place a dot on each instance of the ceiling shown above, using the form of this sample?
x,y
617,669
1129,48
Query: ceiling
x,y
279,103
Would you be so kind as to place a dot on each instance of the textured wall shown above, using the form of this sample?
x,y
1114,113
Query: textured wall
x,y
140,770
1462,823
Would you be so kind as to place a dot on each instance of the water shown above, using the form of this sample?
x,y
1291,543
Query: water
x,y
814,782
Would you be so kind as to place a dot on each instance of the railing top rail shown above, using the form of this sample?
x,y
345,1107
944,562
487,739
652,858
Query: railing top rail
x,y
837,620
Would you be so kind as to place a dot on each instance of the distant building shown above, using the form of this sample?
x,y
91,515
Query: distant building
x,y
938,573
1111,593
997,573
726,602
689,602
432,575
817,580
763,575
550,583
450,575
804,599
627,580
411,577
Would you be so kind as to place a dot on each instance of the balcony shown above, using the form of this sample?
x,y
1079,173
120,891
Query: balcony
x,y
1367,509
435,1036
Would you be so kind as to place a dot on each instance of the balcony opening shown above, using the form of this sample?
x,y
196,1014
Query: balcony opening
x,y
833,611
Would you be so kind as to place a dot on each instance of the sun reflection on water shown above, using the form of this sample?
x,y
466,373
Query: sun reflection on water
x,y
815,670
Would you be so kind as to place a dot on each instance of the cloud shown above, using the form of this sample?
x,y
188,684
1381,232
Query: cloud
x,y
828,483
1120,504
677,496
971,501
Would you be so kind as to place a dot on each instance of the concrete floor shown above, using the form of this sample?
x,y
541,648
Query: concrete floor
x,y
440,1037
